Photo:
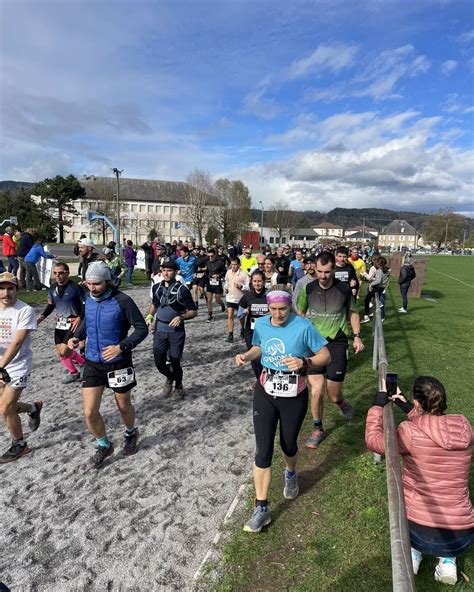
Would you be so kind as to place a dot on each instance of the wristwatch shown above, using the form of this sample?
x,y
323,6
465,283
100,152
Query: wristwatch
x,y
356,335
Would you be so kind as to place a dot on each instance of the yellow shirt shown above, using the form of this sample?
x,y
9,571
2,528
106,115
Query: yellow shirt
x,y
247,263
359,267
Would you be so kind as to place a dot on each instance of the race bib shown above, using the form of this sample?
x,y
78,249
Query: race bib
x,y
19,383
63,323
281,385
214,282
121,378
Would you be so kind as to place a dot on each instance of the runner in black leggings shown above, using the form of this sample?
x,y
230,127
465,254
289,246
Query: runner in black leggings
x,y
282,341
254,303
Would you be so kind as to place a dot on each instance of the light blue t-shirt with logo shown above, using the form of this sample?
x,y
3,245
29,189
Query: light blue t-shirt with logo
x,y
187,268
297,338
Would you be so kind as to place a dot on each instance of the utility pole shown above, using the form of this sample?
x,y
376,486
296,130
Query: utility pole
x,y
117,172
261,226
446,237
363,228
464,240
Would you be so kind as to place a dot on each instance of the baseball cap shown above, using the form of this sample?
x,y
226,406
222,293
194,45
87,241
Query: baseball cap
x,y
98,271
309,259
169,264
106,251
8,278
86,242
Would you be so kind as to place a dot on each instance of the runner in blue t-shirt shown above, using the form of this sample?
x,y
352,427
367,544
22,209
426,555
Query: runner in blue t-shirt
x,y
187,266
287,345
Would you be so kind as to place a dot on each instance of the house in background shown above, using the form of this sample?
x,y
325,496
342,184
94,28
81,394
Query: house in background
x,y
303,236
398,235
328,230
360,237
360,229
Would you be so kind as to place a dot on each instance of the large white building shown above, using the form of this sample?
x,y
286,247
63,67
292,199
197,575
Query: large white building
x,y
166,206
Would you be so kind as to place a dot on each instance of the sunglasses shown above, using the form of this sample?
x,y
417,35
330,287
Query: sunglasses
x,y
60,272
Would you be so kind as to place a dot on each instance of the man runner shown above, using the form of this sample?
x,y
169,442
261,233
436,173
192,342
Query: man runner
x,y
215,275
236,280
17,321
109,314
344,271
67,299
329,304
172,304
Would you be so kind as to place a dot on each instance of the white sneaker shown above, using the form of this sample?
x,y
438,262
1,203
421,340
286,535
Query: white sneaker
x,y
416,558
402,310
366,319
445,571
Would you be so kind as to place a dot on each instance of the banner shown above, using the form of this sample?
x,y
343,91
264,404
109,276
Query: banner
x,y
140,259
44,267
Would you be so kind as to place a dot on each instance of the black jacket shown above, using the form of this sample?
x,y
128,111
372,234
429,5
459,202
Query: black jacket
x,y
26,242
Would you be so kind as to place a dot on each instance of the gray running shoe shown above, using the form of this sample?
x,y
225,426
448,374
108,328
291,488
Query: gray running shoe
x,y
14,453
34,419
130,443
316,438
72,378
260,518
167,389
178,393
291,489
230,338
101,454
347,410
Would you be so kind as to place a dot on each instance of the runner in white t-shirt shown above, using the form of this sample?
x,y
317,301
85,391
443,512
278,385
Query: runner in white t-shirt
x,y
17,320
236,280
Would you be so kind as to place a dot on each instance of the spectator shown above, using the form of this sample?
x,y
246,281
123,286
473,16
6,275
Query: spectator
x,y
88,254
34,255
77,253
407,275
9,250
26,242
436,450
149,256
115,265
130,257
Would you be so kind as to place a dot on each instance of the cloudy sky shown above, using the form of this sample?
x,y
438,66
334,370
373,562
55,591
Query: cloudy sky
x,y
321,103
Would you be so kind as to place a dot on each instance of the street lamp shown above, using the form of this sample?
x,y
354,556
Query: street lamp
x,y
261,225
117,172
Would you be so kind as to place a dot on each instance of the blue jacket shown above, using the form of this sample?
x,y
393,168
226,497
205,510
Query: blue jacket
x,y
107,322
35,254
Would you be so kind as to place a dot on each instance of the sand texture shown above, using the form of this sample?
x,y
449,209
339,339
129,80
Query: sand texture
x,y
140,523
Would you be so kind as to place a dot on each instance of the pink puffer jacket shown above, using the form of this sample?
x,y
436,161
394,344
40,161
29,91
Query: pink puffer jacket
x,y
436,452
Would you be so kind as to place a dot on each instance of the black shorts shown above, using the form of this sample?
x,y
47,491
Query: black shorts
x,y
200,281
62,336
164,342
233,305
96,374
336,369
214,289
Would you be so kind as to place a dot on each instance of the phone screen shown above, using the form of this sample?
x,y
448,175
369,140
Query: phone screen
x,y
391,383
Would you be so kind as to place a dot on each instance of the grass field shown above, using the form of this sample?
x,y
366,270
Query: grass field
x,y
335,536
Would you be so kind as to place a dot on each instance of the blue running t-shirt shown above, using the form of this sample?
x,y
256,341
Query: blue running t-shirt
x,y
187,268
297,338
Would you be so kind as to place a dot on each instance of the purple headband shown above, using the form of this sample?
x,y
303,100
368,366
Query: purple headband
x,y
278,296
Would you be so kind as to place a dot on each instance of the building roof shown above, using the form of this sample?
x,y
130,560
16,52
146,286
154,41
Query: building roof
x,y
363,235
145,190
399,227
361,229
308,232
327,225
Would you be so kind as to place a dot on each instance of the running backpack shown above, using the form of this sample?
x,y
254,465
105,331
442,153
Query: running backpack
x,y
173,295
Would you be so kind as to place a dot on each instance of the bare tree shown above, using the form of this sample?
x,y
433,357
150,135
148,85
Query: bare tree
x,y
197,202
283,220
233,215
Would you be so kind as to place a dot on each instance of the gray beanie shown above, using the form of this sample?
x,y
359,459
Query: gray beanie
x,y
98,271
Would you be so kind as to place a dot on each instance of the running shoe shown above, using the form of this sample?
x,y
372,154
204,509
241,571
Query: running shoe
x,y
178,393
167,388
230,338
402,310
366,319
347,410
34,419
72,378
14,452
445,571
316,438
130,442
101,454
291,489
416,558
261,517
209,319
223,307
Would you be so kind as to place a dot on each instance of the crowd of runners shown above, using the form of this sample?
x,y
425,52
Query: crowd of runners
x,y
295,309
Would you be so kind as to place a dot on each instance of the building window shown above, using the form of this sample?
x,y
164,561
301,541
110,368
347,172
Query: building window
x,y
166,209
182,210
391,238
134,207
271,240
159,209
175,209
142,209
402,238
150,209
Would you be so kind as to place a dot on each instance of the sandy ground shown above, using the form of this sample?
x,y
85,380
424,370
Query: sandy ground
x,y
140,523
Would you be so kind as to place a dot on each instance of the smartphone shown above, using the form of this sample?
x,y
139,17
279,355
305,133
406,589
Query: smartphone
x,y
391,384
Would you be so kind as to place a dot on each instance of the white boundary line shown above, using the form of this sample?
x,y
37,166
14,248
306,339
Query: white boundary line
x,y
216,539
451,277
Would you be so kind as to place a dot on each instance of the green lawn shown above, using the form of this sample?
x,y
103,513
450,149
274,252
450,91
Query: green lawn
x,y
335,536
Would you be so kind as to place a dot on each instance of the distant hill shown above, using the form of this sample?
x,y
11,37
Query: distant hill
x,y
14,186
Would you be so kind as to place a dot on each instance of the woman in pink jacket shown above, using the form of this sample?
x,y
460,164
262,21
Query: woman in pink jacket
x,y
436,450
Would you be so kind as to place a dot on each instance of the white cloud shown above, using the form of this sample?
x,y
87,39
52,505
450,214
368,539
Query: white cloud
x,y
448,67
466,37
454,104
255,103
325,57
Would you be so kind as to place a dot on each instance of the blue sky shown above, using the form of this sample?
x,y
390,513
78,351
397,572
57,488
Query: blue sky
x,y
320,104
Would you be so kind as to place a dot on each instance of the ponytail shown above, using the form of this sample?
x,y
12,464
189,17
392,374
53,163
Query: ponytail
x,y
430,393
